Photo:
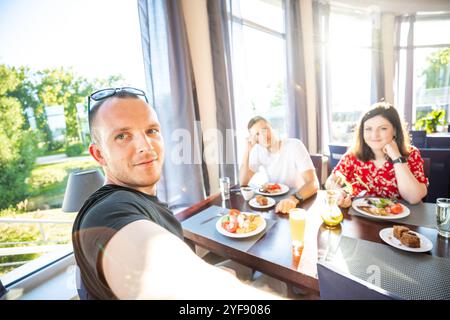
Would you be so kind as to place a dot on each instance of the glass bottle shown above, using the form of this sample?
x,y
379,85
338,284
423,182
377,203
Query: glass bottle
x,y
332,215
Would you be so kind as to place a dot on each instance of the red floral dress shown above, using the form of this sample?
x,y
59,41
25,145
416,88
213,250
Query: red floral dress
x,y
381,181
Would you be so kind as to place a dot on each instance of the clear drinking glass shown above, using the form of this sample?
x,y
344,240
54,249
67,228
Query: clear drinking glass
x,y
297,219
443,216
224,183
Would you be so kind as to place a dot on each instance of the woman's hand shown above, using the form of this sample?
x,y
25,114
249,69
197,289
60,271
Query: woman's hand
x,y
345,200
391,149
335,181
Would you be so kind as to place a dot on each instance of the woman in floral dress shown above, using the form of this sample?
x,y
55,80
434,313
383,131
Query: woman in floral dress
x,y
381,161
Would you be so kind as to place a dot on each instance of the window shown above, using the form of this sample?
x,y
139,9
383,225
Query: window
x,y
350,70
258,51
89,40
431,65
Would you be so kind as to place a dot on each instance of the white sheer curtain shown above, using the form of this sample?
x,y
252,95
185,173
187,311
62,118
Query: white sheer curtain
x,y
321,16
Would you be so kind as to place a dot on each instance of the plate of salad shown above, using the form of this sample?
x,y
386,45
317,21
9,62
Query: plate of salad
x,y
381,208
238,224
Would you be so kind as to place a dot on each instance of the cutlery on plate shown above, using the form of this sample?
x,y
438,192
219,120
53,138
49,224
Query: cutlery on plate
x,y
221,214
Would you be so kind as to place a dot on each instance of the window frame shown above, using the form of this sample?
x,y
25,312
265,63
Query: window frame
x,y
244,22
401,96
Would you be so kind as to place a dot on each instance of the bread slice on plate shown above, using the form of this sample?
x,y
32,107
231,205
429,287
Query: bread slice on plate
x,y
399,230
410,239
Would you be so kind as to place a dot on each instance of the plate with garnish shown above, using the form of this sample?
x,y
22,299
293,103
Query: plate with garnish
x,y
402,238
381,208
273,189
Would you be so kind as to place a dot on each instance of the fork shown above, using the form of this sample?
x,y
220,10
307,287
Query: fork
x,y
361,194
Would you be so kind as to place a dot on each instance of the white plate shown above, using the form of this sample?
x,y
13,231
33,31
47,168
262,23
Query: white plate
x,y
255,204
388,236
240,235
284,189
363,202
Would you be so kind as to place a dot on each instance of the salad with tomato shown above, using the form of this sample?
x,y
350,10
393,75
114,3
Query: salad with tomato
x,y
240,222
270,188
382,206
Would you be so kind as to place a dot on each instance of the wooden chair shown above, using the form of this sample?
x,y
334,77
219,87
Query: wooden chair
x,y
336,285
317,160
419,138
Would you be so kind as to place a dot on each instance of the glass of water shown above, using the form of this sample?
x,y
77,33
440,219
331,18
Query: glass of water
x,y
443,216
224,183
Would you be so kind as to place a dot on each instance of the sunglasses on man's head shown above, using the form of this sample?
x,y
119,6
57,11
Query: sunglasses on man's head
x,y
109,92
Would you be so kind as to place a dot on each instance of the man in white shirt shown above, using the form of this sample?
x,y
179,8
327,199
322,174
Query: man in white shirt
x,y
283,161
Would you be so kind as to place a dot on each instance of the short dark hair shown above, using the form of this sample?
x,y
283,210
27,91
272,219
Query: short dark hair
x,y
360,148
94,110
254,120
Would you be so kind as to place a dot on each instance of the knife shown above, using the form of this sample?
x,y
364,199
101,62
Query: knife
x,y
213,217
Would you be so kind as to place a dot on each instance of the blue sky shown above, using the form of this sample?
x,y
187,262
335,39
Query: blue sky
x,y
96,37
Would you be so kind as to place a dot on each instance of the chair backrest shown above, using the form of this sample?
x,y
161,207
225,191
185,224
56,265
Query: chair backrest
x,y
419,138
438,142
2,290
336,285
318,163
82,292
426,166
439,173
336,153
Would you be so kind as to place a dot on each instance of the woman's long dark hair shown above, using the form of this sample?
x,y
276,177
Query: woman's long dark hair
x,y
360,148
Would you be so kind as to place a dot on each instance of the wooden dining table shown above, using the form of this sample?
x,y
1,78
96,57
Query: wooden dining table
x,y
272,254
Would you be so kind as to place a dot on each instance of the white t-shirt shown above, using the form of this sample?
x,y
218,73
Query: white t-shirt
x,y
283,166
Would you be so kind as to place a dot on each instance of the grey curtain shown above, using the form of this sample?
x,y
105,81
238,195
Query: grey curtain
x,y
221,59
321,16
377,74
296,83
171,91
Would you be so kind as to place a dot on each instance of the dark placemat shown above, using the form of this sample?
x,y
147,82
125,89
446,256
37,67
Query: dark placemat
x,y
208,229
407,274
422,215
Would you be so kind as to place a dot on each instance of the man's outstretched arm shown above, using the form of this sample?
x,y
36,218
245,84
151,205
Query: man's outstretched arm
x,y
145,261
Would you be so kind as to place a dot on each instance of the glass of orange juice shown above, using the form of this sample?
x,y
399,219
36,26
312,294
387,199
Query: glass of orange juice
x,y
297,217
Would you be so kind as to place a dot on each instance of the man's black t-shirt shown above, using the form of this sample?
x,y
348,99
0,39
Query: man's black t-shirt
x,y
106,211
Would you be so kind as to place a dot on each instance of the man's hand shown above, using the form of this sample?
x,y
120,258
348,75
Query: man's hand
x,y
251,141
285,205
